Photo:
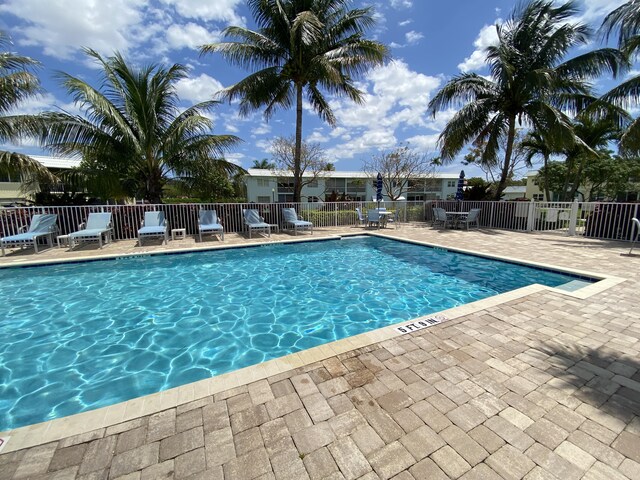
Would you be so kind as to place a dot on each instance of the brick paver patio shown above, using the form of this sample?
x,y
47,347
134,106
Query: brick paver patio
x,y
544,387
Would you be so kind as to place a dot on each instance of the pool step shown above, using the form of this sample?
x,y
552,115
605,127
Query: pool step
x,y
574,285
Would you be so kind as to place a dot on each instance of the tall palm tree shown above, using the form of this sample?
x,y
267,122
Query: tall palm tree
x,y
528,84
132,133
17,83
626,21
300,45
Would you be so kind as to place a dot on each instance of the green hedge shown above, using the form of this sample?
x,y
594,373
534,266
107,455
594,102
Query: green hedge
x,y
319,218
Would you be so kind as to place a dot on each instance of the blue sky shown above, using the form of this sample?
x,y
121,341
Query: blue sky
x,y
430,42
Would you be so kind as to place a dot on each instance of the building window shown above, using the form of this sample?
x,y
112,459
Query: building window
x,y
264,199
452,183
263,182
538,197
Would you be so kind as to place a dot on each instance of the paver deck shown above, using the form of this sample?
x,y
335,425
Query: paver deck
x,y
542,386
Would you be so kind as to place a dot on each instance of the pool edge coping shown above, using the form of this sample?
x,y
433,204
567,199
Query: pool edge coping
x,y
111,415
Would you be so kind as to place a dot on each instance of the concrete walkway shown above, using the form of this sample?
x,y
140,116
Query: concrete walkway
x,y
543,387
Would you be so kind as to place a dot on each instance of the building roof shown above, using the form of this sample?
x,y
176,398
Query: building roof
x,y
515,189
258,172
57,162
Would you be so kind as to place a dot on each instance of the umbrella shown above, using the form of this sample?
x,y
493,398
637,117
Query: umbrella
x,y
460,190
379,188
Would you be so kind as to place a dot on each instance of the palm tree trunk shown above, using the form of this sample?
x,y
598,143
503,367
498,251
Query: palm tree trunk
x,y
506,167
297,156
547,195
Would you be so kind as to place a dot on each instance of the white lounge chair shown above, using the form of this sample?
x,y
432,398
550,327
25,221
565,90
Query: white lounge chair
x,y
361,219
96,226
254,222
42,225
291,219
154,225
208,223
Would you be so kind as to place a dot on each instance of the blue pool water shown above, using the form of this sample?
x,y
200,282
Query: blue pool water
x,y
80,336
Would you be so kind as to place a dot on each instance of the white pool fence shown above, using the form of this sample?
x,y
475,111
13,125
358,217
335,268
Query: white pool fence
x,y
609,221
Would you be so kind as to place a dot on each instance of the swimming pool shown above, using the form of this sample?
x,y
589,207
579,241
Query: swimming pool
x,y
74,337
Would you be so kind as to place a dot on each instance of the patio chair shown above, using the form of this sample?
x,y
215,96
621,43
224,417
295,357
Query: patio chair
x,y
291,219
439,217
42,225
97,225
474,213
208,223
373,218
154,225
635,223
254,222
361,219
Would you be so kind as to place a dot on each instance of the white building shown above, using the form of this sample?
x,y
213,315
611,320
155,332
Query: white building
x,y
264,186
10,188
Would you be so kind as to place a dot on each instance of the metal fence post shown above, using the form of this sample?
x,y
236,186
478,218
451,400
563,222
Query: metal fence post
x,y
531,217
491,217
573,219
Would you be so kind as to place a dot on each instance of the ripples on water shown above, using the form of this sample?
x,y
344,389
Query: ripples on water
x,y
80,336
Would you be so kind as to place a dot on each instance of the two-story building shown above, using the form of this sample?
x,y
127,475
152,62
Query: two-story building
x,y
264,186
11,188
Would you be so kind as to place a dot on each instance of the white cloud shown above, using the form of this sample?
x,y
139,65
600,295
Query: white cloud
x,y
317,137
218,10
198,89
401,3
395,98
593,11
404,23
262,129
413,37
487,36
190,35
423,143
61,27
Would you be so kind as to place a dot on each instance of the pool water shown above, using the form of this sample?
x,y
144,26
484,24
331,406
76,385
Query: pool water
x,y
75,337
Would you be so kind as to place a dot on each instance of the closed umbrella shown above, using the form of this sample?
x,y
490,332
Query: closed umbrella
x,y
460,190
379,189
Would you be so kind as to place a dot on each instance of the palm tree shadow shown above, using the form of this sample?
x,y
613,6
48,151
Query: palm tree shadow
x,y
601,377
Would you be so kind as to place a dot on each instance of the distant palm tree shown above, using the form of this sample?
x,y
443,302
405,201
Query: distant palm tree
x,y
133,135
626,21
263,164
17,83
528,84
300,45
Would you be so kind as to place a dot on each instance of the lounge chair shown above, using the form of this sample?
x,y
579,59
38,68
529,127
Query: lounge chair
x,y
154,225
96,226
474,213
291,219
361,219
43,225
254,222
208,223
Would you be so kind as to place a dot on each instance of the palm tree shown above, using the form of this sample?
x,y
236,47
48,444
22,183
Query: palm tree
x,y
132,134
300,45
626,20
17,83
263,164
528,84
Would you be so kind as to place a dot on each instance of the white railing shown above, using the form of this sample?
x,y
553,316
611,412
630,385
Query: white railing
x,y
603,220
126,219
595,220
